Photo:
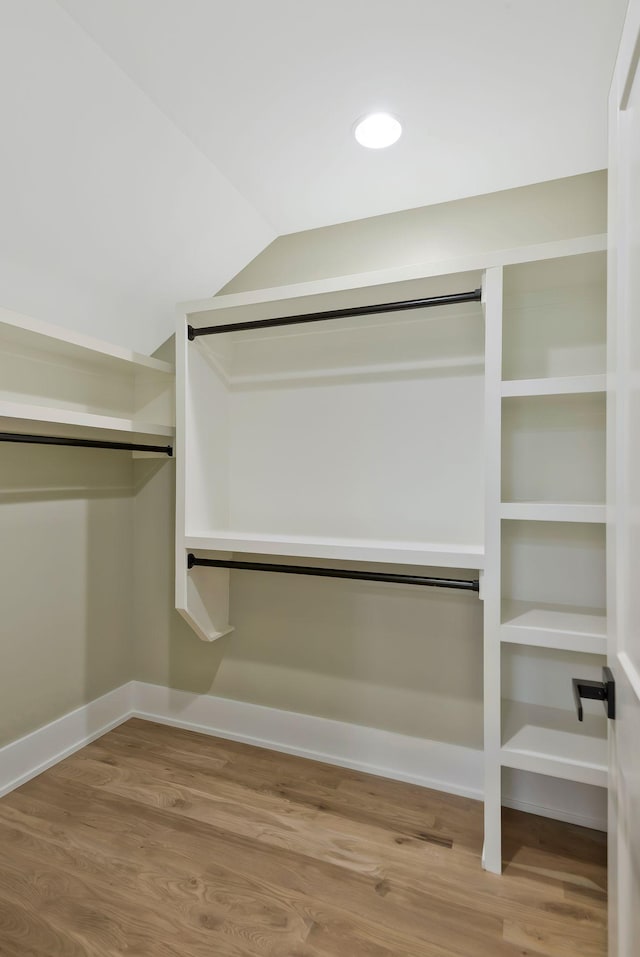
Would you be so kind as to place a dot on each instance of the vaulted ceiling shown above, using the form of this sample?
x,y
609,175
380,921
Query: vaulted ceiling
x,y
492,94
153,147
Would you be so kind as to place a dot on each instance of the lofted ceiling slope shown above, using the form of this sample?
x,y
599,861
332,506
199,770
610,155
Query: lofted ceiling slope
x,y
493,95
152,148
109,212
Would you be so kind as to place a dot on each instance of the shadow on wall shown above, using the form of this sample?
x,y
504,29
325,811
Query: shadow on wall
x,y
394,657
167,652
65,587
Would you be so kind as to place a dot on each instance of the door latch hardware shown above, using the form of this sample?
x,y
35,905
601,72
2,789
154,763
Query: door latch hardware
x,y
604,691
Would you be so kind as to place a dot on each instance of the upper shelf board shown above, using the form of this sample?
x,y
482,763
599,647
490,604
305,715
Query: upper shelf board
x,y
383,285
27,333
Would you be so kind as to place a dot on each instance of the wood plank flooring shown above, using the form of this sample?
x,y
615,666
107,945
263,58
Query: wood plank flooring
x,y
156,842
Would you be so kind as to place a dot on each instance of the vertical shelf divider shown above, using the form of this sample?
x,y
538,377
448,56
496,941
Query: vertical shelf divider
x,y
492,295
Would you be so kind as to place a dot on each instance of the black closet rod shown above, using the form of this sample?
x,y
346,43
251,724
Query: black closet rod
x,y
473,296
82,443
463,584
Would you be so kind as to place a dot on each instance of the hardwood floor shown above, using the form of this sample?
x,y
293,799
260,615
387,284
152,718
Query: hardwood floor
x,y
160,842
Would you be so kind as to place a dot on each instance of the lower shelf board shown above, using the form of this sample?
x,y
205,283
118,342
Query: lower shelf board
x,y
76,423
552,741
442,555
565,627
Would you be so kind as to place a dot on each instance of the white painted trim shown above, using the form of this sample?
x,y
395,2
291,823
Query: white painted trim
x,y
34,753
493,294
444,767
432,764
630,670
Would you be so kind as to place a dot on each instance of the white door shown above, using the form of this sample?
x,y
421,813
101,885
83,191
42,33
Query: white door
x,y
623,483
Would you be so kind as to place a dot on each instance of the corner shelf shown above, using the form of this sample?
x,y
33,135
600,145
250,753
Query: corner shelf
x,y
341,549
564,627
553,511
551,741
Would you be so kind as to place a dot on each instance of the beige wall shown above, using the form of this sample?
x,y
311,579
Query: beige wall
x,y
86,581
378,656
409,660
560,209
65,580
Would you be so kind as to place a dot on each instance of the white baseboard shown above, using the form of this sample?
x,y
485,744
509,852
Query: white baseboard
x,y
28,756
432,764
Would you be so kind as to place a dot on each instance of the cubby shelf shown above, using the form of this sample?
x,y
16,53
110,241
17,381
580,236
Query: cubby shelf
x,y
553,511
555,385
552,741
545,521
342,549
563,627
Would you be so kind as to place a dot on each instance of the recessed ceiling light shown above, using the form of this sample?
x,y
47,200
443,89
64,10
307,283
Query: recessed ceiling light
x,y
377,130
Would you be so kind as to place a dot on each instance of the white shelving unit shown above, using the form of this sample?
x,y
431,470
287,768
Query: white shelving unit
x,y
317,441
545,618
58,383
426,440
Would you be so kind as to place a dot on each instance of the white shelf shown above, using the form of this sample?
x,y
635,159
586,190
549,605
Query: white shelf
x,y
540,252
555,385
56,382
25,332
552,741
565,628
553,512
343,549
49,420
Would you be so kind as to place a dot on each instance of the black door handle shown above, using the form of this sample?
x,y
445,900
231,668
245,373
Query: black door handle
x,y
604,691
